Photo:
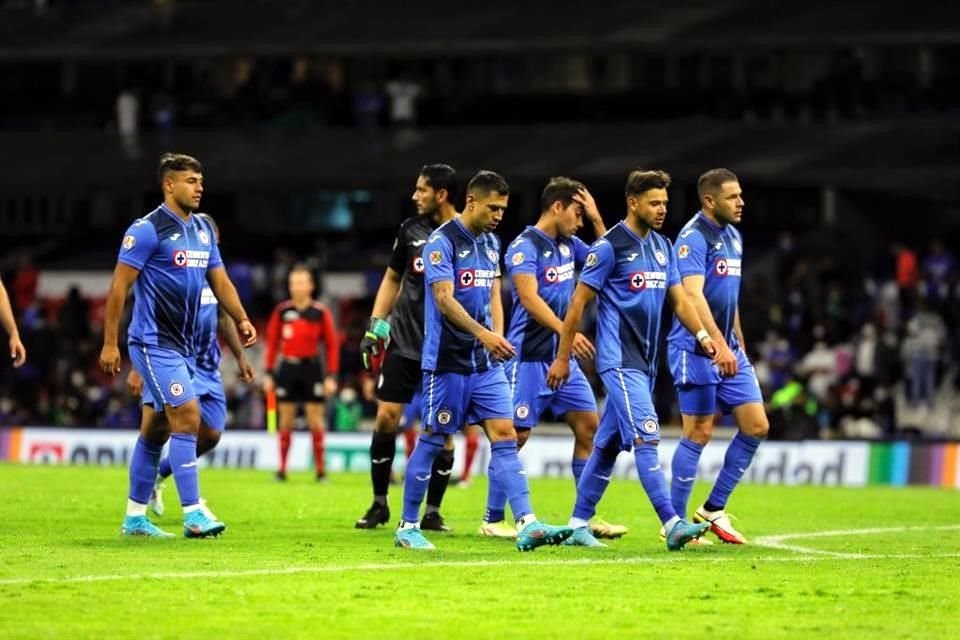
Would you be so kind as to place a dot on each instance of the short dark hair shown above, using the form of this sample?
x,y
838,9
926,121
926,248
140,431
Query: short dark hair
x,y
712,180
213,223
442,176
177,162
559,189
641,180
487,182
302,267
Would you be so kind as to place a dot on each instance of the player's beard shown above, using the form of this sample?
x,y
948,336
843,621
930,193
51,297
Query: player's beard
x,y
188,205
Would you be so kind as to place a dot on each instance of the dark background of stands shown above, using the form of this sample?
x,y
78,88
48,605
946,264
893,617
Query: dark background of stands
x,y
842,122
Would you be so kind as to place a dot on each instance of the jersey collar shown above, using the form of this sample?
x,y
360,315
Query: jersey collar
x,y
554,241
626,227
463,228
170,213
710,222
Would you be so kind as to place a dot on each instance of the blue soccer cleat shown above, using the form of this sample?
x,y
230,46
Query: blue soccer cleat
x,y
582,537
142,527
197,524
536,534
683,532
412,539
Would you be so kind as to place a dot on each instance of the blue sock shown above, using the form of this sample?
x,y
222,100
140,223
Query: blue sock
x,y
653,481
183,459
417,477
735,462
593,482
143,470
512,477
683,471
577,465
496,498
165,470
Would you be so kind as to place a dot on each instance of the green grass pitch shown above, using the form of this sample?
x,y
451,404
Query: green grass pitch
x,y
822,563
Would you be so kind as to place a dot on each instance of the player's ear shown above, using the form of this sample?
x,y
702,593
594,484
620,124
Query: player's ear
x,y
442,195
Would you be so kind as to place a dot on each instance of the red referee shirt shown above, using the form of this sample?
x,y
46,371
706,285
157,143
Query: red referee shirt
x,y
297,333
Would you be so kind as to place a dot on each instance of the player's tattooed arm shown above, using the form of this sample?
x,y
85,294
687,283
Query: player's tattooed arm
x,y
453,311
123,278
229,300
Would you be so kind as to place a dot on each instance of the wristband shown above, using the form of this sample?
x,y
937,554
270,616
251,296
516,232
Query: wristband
x,y
702,335
379,328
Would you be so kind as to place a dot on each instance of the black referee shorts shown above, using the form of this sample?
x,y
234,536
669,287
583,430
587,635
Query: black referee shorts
x,y
400,379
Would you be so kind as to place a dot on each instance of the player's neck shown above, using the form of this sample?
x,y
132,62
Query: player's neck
x,y
180,212
445,214
470,224
547,228
640,229
712,217
302,303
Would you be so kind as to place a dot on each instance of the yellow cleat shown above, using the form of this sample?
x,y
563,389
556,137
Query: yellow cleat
x,y
602,529
498,530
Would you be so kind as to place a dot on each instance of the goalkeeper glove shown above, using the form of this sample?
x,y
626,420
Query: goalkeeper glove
x,y
373,341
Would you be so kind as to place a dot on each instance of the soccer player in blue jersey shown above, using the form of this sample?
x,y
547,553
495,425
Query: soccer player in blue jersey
x,y
208,384
709,252
168,257
631,270
463,378
541,262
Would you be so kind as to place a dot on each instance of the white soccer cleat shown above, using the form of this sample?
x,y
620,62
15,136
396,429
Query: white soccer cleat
x,y
156,499
720,525
699,541
498,530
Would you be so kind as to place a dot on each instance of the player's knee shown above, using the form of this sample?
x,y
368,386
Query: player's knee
x,y
500,430
698,428
522,436
387,419
207,439
758,428
449,444
185,418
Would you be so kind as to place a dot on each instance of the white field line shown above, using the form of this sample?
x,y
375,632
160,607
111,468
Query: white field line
x,y
779,542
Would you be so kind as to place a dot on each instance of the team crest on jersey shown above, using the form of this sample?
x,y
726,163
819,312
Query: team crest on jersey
x,y
637,281
591,260
564,251
290,315
517,258
444,416
140,221
683,251
418,265
204,238
492,255
176,389
661,258
522,411
180,258
129,242
436,257
466,278
737,246
721,267
650,426
550,275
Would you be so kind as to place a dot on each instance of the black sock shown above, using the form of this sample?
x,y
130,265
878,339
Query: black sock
x,y
383,448
709,506
439,479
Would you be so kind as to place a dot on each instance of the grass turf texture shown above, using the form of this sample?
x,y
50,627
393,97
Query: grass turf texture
x,y
291,565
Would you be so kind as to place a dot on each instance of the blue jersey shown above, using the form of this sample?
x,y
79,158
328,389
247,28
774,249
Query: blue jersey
x,y
173,257
470,262
631,276
552,263
704,249
208,347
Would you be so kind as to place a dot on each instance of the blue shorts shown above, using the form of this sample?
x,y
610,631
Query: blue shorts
x,y
628,414
701,388
208,386
167,375
532,396
411,414
452,400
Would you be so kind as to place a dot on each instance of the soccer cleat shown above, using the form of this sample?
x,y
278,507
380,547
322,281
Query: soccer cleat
x,y
206,509
683,532
699,541
602,529
411,539
141,526
719,522
376,515
582,537
321,477
281,476
433,521
197,524
156,499
497,530
536,534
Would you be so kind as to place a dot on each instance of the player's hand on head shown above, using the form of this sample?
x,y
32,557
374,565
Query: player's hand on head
x,y
558,374
248,333
134,383
110,359
583,348
585,198
245,370
18,353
